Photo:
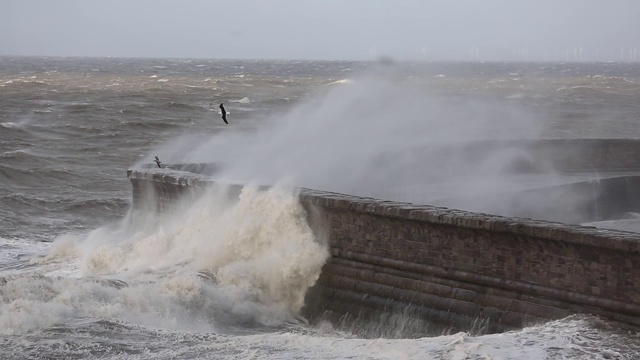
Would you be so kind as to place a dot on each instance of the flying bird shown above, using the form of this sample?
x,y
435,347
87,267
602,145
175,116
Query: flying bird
x,y
157,161
224,114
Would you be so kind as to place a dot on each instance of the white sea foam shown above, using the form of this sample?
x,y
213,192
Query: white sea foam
x,y
14,252
256,257
571,338
576,337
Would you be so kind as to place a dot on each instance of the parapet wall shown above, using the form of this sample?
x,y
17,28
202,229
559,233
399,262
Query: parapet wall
x,y
509,271
449,266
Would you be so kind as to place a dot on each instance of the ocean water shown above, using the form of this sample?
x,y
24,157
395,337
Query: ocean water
x,y
84,276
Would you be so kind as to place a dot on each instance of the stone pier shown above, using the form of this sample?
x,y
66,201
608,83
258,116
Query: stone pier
x,y
459,268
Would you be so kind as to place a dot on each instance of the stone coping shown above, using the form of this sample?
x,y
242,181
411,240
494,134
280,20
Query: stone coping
x,y
169,176
580,235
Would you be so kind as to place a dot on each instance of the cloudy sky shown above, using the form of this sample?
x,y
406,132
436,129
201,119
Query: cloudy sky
x,y
324,29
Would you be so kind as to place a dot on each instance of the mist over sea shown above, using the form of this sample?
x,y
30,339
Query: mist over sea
x,y
82,276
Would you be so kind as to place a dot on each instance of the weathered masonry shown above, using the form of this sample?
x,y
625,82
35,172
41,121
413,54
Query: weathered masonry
x,y
455,267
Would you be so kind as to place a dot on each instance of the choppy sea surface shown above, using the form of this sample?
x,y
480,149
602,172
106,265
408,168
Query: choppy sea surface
x,y
83,276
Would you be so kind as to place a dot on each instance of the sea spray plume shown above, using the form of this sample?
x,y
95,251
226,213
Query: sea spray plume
x,y
393,134
256,245
381,132
269,251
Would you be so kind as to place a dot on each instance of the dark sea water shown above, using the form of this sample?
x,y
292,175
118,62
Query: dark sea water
x,y
82,277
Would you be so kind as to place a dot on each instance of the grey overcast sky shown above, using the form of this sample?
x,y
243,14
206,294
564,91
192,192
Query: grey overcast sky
x,y
324,29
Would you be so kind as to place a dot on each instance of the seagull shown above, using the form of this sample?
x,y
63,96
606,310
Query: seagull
x,y
157,161
224,114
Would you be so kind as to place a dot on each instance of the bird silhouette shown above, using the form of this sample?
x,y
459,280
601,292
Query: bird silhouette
x,y
224,114
157,161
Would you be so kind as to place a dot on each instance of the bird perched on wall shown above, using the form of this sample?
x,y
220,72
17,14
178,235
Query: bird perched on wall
x,y
224,114
157,161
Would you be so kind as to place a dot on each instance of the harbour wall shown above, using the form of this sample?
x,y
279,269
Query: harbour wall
x,y
448,266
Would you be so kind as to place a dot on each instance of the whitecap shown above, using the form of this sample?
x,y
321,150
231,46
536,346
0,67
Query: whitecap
x,y
11,125
8,125
14,153
343,81
244,100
